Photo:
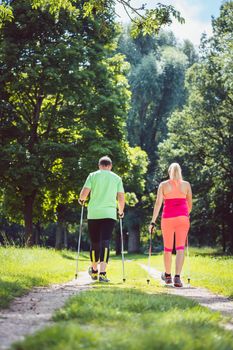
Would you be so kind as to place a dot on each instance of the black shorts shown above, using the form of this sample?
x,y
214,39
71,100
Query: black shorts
x,y
100,229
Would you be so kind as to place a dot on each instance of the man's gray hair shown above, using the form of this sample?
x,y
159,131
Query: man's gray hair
x,y
105,161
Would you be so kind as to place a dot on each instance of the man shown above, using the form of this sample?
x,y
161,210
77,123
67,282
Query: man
x,y
106,189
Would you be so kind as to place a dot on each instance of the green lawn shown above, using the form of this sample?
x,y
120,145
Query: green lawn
x,y
207,269
131,316
22,269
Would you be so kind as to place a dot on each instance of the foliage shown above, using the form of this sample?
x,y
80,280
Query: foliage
x,y
156,78
145,21
200,136
59,78
135,176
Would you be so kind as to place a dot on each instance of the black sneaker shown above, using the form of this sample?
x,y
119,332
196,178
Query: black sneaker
x,y
166,278
103,278
177,282
93,274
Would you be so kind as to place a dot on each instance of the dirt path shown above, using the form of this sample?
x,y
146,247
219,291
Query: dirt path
x,y
203,296
33,311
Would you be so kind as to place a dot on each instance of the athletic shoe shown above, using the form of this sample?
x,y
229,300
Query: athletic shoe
x,y
166,279
103,278
177,282
94,275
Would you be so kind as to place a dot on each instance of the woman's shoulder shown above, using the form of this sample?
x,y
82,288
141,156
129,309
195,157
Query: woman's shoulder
x,y
164,183
186,183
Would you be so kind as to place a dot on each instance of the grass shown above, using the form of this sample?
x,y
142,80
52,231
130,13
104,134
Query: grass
x,y
207,269
22,268
131,316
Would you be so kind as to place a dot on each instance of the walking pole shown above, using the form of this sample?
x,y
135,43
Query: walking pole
x,y
79,239
188,262
149,256
122,251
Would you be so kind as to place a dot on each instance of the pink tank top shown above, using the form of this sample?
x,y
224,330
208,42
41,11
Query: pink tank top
x,y
175,202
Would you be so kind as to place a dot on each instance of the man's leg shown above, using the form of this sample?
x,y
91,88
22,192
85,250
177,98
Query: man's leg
x,y
107,227
94,234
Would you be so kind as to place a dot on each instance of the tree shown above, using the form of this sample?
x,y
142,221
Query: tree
x,y
200,137
144,20
189,50
157,83
59,78
135,183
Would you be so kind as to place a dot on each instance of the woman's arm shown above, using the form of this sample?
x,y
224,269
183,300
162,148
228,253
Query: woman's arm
x,y
158,203
189,198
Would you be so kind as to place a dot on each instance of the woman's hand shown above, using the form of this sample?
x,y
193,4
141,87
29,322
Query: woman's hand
x,y
152,227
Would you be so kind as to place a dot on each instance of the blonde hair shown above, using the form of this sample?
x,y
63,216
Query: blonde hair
x,y
174,172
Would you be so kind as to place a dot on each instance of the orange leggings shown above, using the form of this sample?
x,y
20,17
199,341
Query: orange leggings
x,y
179,226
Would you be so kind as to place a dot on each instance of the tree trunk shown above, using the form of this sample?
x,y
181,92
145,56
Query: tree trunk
x,y
65,237
134,240
28,219
230,232
61,208
223,236
59,235
37,233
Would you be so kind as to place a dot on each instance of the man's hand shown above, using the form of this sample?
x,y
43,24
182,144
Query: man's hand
x,y
121,215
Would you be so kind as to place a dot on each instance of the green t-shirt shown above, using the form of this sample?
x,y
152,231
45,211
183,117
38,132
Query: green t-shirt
x,y
104,186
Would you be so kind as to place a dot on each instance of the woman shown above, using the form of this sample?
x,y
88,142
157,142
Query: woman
x,y
177,197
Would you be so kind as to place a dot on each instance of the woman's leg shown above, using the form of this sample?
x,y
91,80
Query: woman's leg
x,y
167,227
167,258
181,231
179,261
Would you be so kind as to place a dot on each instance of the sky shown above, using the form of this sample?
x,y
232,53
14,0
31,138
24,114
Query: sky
x,y
197,14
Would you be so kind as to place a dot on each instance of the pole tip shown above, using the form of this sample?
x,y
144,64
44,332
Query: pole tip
x,y
124,279
148,281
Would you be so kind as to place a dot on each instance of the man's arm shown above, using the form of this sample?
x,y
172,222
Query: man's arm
x,y
121,202
85,190
84,194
